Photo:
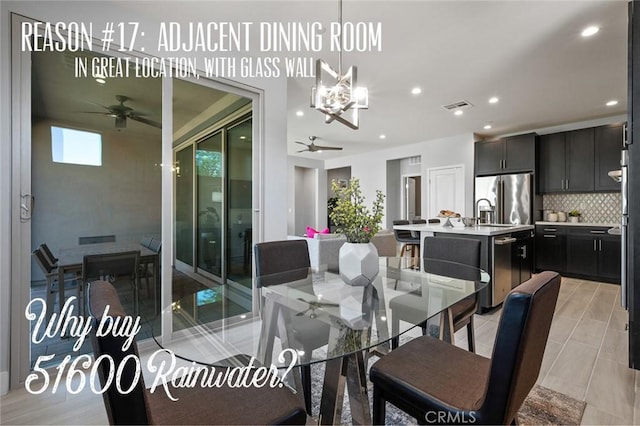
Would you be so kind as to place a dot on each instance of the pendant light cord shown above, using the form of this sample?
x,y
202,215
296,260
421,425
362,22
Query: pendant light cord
x,y
341,41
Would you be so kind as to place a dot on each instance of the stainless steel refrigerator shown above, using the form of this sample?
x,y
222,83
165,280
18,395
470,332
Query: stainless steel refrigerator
x,y
510,196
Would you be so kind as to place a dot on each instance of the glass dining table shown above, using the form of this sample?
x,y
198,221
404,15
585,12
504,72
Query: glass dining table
x,y
325,321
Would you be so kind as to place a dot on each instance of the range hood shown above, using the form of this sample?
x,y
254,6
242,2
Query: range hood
x,y
616,175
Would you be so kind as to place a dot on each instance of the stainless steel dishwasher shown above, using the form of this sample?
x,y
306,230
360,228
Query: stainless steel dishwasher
x,y
502,270
511,263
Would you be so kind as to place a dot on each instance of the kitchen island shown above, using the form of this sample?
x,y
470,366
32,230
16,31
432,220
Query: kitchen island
x,y
505,252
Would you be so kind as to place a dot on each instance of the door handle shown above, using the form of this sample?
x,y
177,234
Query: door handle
x,y
27,207
597,232
594,245
599,245
505,241
550,236
567,184
562,184
550,230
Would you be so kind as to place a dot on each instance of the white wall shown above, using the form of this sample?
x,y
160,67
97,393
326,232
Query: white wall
x,y
122,197
273,122
319,182
370,167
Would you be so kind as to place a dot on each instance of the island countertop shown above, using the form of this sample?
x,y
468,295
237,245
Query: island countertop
x,y
486,230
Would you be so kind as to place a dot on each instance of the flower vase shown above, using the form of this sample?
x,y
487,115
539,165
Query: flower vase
x,y
358,263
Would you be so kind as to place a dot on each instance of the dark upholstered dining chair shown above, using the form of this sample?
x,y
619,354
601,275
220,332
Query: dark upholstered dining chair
x,y
459,250
434,381
50,271
195,405
113,265
279,262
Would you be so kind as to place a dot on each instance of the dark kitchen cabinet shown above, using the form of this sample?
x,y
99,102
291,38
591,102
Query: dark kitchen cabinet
x,y
578,251
551,248
582,254
593,253
489,156
567,161
579,151
514,154
609,260
608,144
552,163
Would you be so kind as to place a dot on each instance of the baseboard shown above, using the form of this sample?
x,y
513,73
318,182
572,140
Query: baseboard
x,y
4,382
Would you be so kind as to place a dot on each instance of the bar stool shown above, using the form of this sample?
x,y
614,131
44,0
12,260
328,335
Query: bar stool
x,y
406,237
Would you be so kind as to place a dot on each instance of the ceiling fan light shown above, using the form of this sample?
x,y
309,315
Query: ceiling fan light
x,y
121,122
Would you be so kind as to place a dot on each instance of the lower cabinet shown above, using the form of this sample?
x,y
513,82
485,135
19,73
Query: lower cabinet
x,y
579,251
551,248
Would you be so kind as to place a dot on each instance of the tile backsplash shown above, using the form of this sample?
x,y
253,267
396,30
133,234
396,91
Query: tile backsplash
x,y
594,207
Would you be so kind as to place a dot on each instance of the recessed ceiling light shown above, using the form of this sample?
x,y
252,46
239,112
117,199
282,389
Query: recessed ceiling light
x,y
493,100
299,113
459,112
612,103
416,91
243,137
101,80
319,151
589,31
487,126
383,136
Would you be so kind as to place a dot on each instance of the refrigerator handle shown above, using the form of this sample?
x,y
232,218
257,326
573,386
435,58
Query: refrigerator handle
x,y
500,213
623,265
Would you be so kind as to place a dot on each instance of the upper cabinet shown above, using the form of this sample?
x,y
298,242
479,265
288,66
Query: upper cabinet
x,y
513,154
608,143
579,160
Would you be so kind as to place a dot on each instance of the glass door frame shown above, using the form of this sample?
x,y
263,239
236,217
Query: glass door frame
x,y
20,258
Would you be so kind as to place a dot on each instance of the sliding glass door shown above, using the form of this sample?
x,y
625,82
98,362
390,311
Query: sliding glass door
x,y
213,217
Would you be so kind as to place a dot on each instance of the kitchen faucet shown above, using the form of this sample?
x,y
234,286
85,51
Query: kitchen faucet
x,y
491,208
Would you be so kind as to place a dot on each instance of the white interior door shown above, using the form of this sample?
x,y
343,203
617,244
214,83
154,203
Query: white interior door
x,y
446,190
409,198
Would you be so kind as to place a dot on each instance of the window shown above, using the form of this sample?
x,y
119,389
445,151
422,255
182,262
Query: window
x,y
72,146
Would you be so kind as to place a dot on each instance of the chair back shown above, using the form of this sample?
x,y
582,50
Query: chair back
x,y
520,343
145,241
459,250
287,259
47,252
418,221
403,236
155,245
130,408
95,266
43,262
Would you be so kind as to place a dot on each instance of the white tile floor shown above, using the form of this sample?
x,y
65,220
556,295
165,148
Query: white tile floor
x,y
586,358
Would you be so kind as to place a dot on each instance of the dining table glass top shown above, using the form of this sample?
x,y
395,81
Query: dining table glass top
x,y
316,314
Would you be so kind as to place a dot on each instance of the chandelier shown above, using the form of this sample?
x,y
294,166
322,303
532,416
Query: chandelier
x,y
338,95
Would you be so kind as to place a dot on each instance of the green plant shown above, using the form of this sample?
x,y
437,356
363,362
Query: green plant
x,y
351,216
574,213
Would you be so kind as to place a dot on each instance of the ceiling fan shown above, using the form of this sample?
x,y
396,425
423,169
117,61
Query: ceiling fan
x,y
312,147
121,113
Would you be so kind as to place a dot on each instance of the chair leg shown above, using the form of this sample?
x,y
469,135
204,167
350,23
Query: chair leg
x,y
49,297
379,407
471,336
305,373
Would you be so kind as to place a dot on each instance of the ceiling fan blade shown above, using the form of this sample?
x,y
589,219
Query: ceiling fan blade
x,y
301,143
303,150
145,121
335,148
94,112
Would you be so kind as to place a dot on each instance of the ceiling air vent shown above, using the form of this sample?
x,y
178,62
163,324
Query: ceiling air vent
x,y
458,105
